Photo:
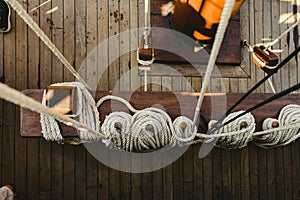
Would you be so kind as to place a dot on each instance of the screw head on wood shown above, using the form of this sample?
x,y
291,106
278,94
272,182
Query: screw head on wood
x,y
118,125
243,124
149,127
275,124
183,125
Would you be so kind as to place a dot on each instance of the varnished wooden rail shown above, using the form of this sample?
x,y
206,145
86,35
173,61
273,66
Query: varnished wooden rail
x,y
175,104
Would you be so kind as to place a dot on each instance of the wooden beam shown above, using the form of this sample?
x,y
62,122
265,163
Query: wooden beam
x,y
175,104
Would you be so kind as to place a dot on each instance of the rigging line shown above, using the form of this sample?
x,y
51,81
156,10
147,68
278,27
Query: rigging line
x,y
16,97
284,62
275,70
37,7
226,14
283,34
39,32
277,96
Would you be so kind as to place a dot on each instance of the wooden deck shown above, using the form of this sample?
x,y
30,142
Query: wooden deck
x,y
44,170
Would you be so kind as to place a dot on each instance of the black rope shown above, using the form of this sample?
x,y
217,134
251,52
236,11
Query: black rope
x,y
277,96
275,70
285,61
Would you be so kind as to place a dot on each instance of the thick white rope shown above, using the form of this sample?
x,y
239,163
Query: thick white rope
x,y
87,114
16,97
147,129
39,32
243,128
288,115
226,14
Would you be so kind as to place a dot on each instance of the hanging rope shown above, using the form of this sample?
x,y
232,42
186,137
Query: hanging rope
x,y
39,32
20,99
88,115
226,14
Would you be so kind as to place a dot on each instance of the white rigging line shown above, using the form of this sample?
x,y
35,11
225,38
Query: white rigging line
x,y
226,14
16,97
39,32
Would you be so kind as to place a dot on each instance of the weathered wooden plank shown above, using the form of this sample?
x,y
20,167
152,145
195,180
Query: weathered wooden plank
x,y
92,63
114,45
8,131
102,58
188,174
45,76
21,84
198,190
234,163
275,33
69,37
124,20
254,184
207,174
296,168
68,172
103,177
136,181
259,27
227,175
196,70
57,76
167,177
91,43
114,189
103,83
134,44
80,65
279,173
80,173
262,173
69,52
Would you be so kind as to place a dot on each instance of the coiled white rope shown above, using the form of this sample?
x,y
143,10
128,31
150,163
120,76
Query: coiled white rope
x,y
226,14
88,115
147,129
39,32
290,114
16,97
243,128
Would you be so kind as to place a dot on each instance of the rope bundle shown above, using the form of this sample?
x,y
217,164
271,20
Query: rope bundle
x,y
289,115
88,115
243,128
148,129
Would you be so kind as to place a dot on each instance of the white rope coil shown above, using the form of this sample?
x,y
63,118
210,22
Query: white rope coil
x,y
243,127
184,130
116,128
88,115
289,115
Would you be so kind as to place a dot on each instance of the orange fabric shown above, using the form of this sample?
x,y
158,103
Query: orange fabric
x,y
196,4
183,1
200,36
211,13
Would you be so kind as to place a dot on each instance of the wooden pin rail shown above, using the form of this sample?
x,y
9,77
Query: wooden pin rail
x,y
175,104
